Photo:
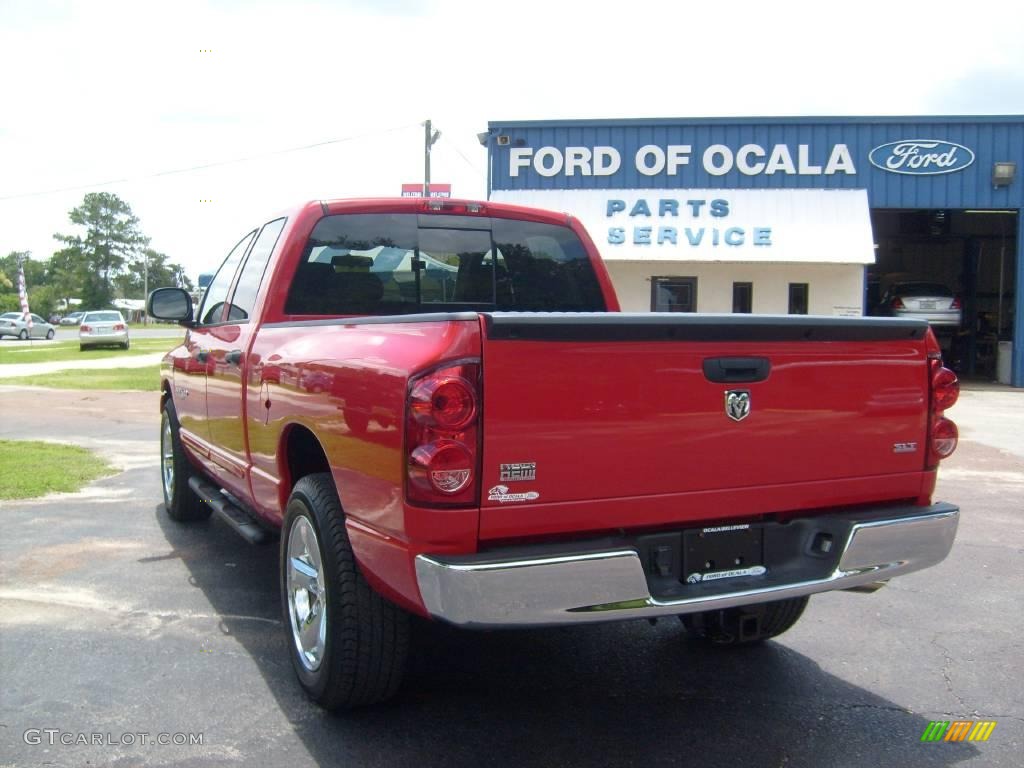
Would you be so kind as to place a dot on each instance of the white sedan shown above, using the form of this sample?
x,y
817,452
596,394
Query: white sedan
x,y
99,329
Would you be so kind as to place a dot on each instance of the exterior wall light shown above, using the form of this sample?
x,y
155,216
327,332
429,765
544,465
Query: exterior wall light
x,y
1003,173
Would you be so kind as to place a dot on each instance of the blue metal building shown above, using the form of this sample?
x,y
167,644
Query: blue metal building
x,y
706,200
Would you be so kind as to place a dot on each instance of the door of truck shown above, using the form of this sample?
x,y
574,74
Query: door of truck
x,y
190,372
228,346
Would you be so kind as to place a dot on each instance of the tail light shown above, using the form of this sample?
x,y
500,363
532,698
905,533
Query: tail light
x,y
442,436
944,390
85,328
436,205
956,303
944,438
897,303
119,327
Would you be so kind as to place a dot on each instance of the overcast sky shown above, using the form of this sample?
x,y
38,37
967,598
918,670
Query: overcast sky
x,y
127,92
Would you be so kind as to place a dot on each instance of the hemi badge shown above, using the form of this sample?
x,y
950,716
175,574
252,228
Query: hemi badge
x,y
904,447
522,470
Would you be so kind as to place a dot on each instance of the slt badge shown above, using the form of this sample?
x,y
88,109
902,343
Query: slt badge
x,y
737,404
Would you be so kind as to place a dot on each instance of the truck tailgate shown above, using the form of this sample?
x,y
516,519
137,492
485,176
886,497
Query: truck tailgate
x,y
603,421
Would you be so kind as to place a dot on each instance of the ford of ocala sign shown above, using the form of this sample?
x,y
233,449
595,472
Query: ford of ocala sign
x,y
921,157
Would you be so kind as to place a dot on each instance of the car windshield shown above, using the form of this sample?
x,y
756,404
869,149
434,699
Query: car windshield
x,y
104,317
922,289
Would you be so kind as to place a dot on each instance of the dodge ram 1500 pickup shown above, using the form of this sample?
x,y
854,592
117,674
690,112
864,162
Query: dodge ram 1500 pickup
x,y
439,408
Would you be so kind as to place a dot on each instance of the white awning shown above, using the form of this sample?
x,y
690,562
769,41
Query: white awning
x,y
734,225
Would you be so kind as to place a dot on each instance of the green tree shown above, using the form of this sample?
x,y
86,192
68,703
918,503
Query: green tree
x,y
43,300
112,239
130,283
66,273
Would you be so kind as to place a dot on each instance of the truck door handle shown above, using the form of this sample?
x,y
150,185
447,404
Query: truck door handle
x,y
734,370
234,357
201,355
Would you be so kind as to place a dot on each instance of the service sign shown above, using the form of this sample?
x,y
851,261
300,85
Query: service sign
x,y
791,225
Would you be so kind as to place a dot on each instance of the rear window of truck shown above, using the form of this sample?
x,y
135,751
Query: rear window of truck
x,y
379,264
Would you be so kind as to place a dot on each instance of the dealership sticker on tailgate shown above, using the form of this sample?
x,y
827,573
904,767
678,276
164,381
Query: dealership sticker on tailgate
x,y
500,493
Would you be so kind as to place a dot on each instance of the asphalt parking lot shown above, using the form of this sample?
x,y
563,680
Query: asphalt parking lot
x,y
115,621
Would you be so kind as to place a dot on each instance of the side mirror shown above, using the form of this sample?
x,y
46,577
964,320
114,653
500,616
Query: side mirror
x,y
170,304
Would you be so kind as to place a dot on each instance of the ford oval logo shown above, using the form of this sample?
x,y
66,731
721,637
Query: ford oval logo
x,y
921,157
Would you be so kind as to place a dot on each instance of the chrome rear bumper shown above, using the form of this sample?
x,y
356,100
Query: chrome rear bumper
x,y
503,590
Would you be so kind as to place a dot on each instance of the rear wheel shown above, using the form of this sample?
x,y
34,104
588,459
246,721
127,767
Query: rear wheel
x,y
348,644
746,625
49,334
181,502
125,345
23,335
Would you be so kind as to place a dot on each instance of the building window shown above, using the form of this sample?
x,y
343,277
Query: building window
x,y
798,301
742,297
673,294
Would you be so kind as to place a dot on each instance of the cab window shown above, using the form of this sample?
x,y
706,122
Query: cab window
x,y
244,297
212,309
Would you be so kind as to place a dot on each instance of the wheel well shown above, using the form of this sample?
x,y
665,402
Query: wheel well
x,y
304,455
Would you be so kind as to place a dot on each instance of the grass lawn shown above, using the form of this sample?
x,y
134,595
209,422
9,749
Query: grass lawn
x,y
68,350
29,468
146,379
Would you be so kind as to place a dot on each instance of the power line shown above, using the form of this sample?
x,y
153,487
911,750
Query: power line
x,y
469,162
205,166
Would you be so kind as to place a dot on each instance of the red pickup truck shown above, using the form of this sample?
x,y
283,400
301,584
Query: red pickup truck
x,y
441,409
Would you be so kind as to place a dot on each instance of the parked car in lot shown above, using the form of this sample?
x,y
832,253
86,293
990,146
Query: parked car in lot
x,y
100,329
72,319
933,302
13,324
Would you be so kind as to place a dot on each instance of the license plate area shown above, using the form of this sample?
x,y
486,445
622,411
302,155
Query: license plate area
x,y
711,554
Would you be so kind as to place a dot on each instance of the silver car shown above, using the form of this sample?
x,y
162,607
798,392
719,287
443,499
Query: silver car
x,y
105,328
933,302
13,324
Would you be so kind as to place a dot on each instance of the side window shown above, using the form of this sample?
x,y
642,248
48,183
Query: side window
x,y
252,272
743,297
798,298
673,294
212,309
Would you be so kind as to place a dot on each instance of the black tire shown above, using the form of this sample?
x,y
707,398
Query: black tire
x,y
23,335
366,640
180,501
744,626
49,334
125,345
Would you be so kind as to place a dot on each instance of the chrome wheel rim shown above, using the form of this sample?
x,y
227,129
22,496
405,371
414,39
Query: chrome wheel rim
x,y
167,459
307,594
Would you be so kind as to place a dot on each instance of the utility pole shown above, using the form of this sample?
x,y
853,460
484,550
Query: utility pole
x,y
145,286
429,140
